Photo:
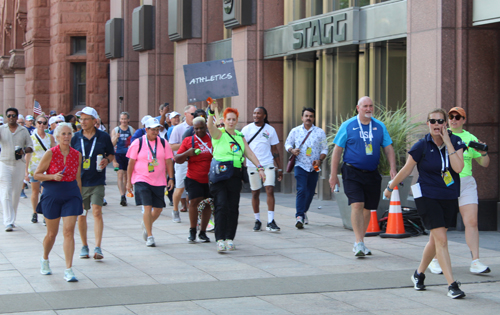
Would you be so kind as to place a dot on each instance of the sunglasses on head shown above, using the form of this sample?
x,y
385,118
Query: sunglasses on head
x,y
457,117
433,121
41,122
11,115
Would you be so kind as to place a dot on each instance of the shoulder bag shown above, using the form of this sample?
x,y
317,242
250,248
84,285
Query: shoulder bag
x,y
292,158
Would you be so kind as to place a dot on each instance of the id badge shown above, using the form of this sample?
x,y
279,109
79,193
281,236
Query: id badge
x,y
309,151
155,162
448,180
151,167
86,164
369,149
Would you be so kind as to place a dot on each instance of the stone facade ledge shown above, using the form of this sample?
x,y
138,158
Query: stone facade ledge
x,y
16,61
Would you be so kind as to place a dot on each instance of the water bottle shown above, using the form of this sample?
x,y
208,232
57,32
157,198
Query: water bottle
x,y
98,162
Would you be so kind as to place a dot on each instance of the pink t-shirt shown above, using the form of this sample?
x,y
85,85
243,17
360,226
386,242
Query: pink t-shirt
x,y
141,172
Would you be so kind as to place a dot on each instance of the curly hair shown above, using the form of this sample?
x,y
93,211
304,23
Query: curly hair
x,y
231,110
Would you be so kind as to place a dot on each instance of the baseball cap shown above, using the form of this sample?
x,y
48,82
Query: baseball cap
x,y
173,114
53,112
459,110
54,119
152,123
29,117
20,116
87,111
145,118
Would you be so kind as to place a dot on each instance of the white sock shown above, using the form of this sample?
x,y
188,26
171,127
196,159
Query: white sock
x,y
270,216
45,259
257,216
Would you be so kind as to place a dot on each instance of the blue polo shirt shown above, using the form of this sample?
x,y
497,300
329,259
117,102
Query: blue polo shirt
x,y
103,145
137,134
350,138
430,166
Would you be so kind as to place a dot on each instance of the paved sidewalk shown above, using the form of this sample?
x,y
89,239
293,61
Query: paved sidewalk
x,y
309,271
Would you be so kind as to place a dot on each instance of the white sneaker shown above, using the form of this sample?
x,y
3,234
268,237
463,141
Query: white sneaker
x,y
45,267
478,267
230,245
176,216
366,250
306,219
221,246
435,268
150,242
69,275
359,249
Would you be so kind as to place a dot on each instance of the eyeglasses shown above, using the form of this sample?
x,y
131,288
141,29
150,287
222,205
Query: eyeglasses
x,y
11,115
433,121
41,122
457,117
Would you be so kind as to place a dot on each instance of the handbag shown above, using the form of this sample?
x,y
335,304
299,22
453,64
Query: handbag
x,y
220,171
291,160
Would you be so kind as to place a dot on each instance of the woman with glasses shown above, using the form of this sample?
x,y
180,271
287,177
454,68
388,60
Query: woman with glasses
x,y
439,160
42,141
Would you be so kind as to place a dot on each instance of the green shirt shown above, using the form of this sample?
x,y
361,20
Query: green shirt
x,y
226,150
468,154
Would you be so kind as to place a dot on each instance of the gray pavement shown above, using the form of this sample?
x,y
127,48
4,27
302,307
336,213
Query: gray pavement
x,y
309,271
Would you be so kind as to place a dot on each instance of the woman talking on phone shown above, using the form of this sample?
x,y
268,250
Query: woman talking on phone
x,y
439,160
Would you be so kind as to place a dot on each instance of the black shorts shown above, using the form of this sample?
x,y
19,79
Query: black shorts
x,y
436,213
362,186
122,160
196,189
148,195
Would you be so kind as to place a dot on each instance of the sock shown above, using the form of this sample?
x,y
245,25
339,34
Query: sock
x,y
270,216
257,216
45,259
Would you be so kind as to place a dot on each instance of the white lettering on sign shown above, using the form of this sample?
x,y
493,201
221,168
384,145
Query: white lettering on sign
x,y
215,77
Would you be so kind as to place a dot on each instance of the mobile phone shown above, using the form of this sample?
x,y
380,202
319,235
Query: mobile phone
x,y
450,132
62,172
478,146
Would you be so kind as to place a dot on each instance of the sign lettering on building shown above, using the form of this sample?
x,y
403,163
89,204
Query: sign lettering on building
x,y
322,31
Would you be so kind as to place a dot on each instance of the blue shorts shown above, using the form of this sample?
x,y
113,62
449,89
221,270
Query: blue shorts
x,y
54,205
122,160
33,180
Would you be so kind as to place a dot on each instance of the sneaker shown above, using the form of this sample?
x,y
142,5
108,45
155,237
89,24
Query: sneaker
x,y
359,249
23,195
478,267
9,228
69,275
44,223
150,242
104,203
84,253
256,227
306,219
366,250
230,245
300,223
221,246
176,216
435,268
273,227
202,237
183,210
171,204
98,253
192,235
454,291
45,267
34,218
210,226
123,201
144,232
418,281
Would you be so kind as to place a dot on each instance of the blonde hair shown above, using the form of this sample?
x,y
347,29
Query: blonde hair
x,y
43,116
199,119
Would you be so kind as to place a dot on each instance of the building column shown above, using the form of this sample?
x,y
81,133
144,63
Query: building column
x,y
16,64
2,108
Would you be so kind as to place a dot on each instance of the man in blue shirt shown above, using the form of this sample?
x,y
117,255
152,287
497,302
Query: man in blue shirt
x,y
360,139
92,143
141,131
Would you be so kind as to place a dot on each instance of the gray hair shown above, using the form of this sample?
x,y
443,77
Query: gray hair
x,y
126,114
60,126
189,107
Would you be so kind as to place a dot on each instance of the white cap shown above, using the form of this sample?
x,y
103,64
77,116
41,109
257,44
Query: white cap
x,y
54,119
20,116
173,114
152,123
60,117
145,118
29,117
87,111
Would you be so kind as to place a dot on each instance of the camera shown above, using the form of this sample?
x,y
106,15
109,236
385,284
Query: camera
x,y
18,152
478,146
120,98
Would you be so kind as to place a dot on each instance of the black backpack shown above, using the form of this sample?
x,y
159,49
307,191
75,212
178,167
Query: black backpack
x,y
140,144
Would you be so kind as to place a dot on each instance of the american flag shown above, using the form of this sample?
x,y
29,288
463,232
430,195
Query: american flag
x,y
37,109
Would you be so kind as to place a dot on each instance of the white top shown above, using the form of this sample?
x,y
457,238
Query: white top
x,y
261,145
176,135
8,140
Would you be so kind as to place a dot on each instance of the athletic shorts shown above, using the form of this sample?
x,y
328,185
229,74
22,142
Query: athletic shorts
x,y
360,186
92,195
122,161
256,182
148,195
468,191
180,174
436,213
196,189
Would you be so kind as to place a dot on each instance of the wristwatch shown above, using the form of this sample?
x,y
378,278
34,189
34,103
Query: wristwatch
x,y
389,189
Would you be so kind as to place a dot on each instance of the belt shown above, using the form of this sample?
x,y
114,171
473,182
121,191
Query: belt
x,y
358,169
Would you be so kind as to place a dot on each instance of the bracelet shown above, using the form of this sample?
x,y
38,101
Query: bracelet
x,y
260,168
485,154
389,189
452,153
211,112
108,160
280,170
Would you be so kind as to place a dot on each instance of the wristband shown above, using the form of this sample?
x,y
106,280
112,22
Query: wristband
x,y
484,154
389,189
280,170
211,112
259,168
107,159
452,153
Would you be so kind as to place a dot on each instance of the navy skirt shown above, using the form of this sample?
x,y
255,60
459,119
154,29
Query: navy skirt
x,y
60,199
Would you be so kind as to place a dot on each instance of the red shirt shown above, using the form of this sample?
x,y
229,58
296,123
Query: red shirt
x,y
198,165
57,163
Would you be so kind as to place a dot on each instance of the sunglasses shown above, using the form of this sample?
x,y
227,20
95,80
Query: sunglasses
x,y
11,115
433,121
457,117
41,122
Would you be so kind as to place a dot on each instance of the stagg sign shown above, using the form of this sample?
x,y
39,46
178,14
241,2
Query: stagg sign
x,y
322,31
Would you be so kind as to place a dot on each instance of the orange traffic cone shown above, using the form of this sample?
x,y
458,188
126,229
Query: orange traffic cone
x,y
395,224
373,227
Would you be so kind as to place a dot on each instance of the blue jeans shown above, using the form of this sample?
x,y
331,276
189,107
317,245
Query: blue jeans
x,y
306,185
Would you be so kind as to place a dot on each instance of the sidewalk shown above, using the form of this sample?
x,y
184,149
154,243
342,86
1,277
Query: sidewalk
x,y
309,271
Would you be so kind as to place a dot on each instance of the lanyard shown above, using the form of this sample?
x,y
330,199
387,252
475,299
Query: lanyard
x,y
370,135
204,144
443,169
91,150
151,149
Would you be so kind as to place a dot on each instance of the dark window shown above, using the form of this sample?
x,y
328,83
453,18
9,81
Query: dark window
x,y
78,45
79,83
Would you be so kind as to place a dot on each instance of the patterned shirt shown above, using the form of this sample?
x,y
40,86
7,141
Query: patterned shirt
x,y
71,166
38,151
311,150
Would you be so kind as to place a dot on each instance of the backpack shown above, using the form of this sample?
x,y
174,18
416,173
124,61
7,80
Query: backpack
x,y
140,144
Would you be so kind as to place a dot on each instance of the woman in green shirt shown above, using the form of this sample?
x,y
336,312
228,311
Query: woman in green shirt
x,y
229,145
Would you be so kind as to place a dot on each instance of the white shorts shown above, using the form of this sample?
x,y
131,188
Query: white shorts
x,y
468,191
180,174
256,182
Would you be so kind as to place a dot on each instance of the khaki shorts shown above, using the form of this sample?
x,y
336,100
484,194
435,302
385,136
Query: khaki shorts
x,y
256,182
468,191
94,195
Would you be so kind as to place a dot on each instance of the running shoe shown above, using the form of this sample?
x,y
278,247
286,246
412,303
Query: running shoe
x,y
23,195
418,281
454,291
44,223
202,237
273,227
359,249
45,267
306,219
257,226
171,204
9,228
221,246
150,242
366,250
176,216
123,201
211,225
104,202
34,218
84,253
192,235
478,267
98,253
435,268
144,232
300,223
230,245
69,275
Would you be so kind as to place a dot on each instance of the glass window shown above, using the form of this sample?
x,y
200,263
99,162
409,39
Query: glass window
x,y
78,45
79,83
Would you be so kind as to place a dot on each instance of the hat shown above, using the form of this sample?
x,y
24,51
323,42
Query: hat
x,y
173,114
60,117
152,123
29,117
459,110
87,111
53,112
53,119
145,118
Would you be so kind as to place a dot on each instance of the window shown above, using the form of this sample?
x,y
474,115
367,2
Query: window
x,y
78,45
79,83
